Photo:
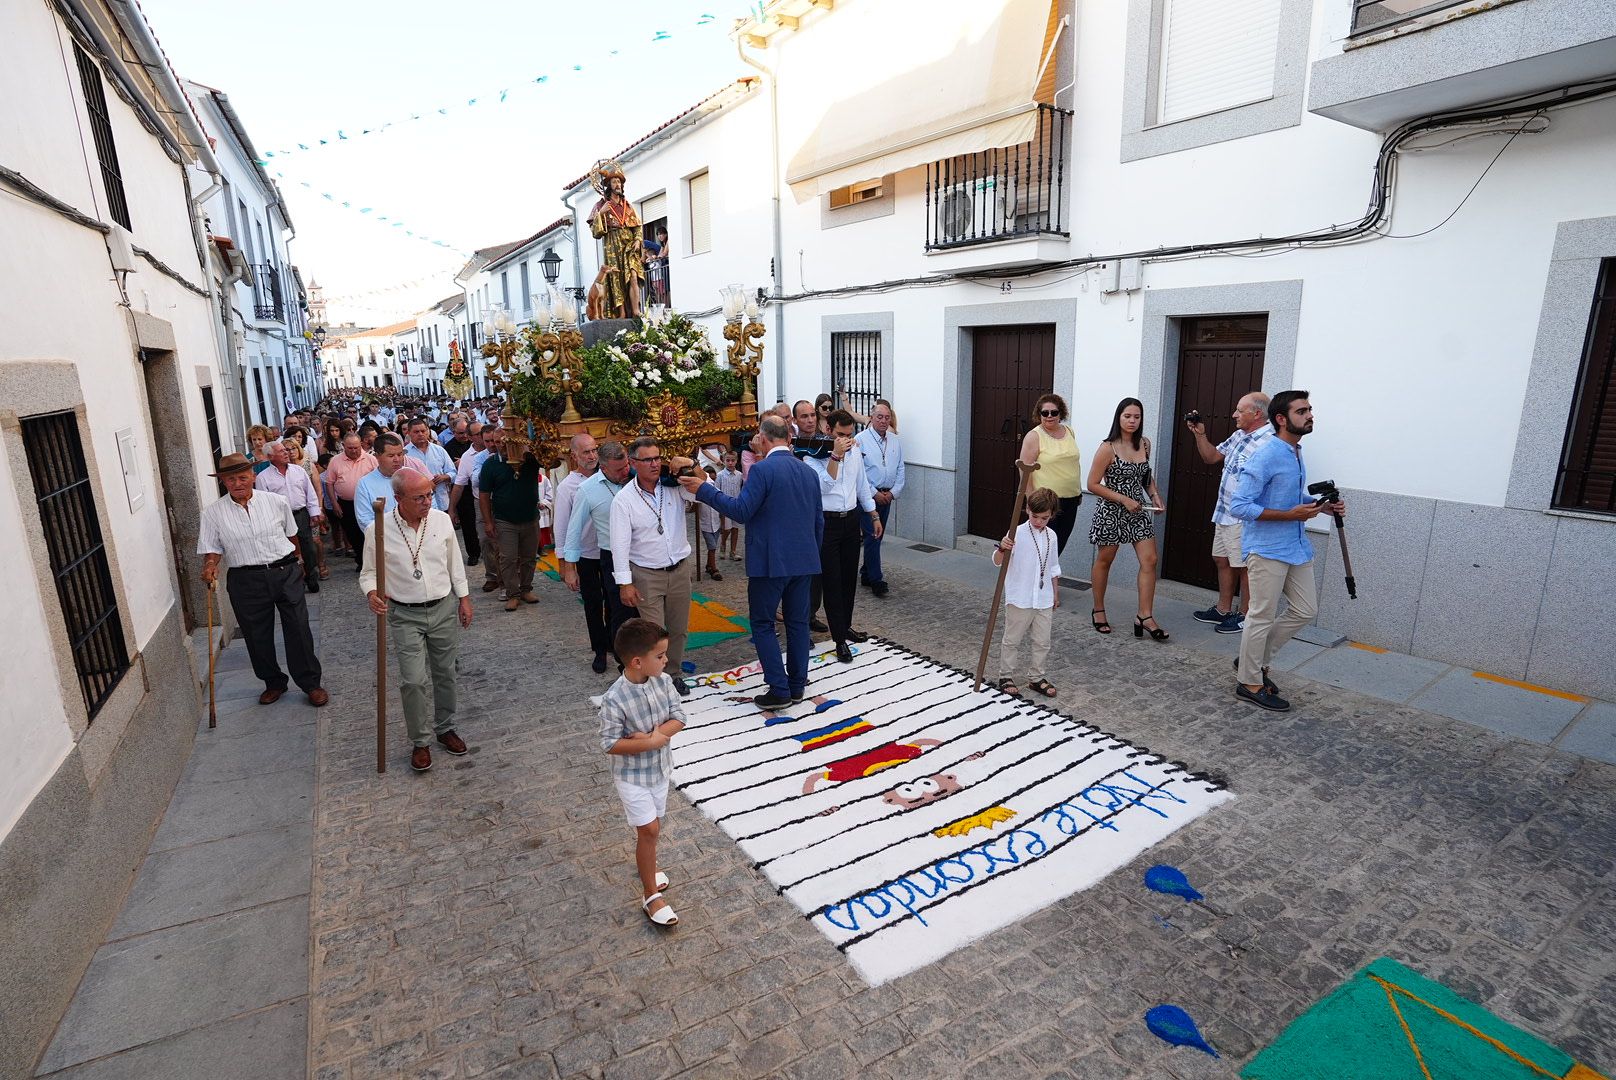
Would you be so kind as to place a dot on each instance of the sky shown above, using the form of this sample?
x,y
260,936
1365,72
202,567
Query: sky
x,y
298,71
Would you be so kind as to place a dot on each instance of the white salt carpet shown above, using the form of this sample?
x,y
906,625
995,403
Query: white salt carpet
x,y
905,815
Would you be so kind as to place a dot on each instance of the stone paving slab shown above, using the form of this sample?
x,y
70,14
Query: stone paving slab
x,y
1594,733
1508,710
252,749
482,919
159,984
1386,675
212,878
265,1045
209,811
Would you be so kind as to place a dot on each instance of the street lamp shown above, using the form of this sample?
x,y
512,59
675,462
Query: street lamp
x,y
319,336
551,265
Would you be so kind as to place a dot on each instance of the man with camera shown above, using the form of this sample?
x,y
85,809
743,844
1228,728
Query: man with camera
x,y
1271,498
1250,429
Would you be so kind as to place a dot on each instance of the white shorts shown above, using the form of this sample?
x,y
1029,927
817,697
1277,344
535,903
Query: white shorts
x,y
643,805
1226,544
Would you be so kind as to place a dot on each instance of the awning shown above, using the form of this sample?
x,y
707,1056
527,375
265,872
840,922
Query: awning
x,y
893,85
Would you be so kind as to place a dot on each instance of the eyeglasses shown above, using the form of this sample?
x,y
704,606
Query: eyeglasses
x,y
646,460
1048,412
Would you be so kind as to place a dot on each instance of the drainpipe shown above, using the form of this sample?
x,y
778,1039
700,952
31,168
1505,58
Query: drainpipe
x,y
779,244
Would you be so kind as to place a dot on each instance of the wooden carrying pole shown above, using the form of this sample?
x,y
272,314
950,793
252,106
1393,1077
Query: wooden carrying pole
x,y
380,534
1023,475
213,705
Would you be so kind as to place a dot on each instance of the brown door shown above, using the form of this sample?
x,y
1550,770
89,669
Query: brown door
x,y
1220,361
1010,367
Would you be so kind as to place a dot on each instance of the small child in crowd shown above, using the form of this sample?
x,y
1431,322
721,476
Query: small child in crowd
x,y
638,716
711,523
1031,591
729,482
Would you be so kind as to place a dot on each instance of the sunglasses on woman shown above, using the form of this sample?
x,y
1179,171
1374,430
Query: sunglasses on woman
x,y
1048,412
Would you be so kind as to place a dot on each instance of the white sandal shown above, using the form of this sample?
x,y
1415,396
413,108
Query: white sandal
x,y
661,880
662,916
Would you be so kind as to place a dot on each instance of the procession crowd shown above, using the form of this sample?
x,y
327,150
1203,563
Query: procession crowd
x,y
417,490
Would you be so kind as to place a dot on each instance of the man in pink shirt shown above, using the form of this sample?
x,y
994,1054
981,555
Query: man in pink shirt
x,y
342,474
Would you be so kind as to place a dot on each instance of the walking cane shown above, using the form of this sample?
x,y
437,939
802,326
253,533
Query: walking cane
x,y
1023,474
380,508
213,705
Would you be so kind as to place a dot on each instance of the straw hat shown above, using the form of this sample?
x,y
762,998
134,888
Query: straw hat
x,y
232,463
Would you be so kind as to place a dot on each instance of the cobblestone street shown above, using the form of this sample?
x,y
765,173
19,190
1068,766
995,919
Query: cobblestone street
x,y
482,919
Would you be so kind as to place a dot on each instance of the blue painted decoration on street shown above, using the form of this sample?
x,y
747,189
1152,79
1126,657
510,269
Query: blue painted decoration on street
x,y
1172,1024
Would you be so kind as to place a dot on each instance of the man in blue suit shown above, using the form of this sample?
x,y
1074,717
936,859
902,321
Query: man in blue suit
x,y
780,498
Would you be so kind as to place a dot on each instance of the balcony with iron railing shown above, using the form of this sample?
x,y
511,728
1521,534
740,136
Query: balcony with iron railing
x,y
267,300
1003,195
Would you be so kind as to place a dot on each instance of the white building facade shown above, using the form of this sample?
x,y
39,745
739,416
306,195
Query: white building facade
x,y
113,410
268,303
1094,198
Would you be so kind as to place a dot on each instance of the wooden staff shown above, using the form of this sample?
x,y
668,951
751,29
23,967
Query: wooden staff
x,y
1023,475
213,705
380,534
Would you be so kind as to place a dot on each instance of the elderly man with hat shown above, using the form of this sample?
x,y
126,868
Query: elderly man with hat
x,y
254,533
426,597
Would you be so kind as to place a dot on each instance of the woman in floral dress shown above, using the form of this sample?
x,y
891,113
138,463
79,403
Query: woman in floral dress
x,y
1121,476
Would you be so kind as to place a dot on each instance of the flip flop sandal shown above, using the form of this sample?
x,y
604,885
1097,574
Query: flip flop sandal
x,y
1044,687
662,916
325,572
1006,686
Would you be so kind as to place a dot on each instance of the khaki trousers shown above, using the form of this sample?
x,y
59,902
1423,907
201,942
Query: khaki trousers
x,y
1266,630
1017,621
665,600
426,642
518,548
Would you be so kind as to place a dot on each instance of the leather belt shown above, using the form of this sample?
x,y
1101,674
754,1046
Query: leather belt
x,y
664,569
423,603
840,513
286,560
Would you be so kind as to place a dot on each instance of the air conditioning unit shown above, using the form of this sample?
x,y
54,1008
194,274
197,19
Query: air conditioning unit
x,y
979,208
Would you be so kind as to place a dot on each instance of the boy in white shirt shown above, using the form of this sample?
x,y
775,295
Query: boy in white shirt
x,y
711,523
729,482
1031,592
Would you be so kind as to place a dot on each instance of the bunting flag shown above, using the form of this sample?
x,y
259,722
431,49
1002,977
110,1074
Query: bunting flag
x,y
391,221
493,97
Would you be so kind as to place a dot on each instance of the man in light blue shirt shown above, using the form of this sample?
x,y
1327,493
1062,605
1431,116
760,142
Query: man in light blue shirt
x,y
846,498
589,539
1270,498
883,464
378,483
430,453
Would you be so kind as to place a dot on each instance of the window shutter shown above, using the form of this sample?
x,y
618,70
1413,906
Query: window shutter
x,y
1216,54
1587,479
701,238
654,208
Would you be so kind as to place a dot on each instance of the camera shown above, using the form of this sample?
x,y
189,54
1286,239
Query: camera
x,y
1194,417
814,447
1324,491
671,478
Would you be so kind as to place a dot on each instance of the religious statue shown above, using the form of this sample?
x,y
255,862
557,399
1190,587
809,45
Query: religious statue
x,y
616,291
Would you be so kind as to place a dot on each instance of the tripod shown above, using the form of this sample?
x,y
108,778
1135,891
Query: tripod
x,y
1346,557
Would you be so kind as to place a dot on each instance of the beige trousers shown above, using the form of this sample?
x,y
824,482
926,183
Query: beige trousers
x,y
665,600
1017,621
1266,630
426,642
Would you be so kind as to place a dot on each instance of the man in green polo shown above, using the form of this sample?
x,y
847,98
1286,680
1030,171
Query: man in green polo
x,y
509,503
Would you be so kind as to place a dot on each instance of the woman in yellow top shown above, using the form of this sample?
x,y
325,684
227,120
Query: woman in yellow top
x,y
1053,448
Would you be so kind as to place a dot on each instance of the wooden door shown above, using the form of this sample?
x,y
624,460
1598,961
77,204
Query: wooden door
x,y
1220,360
1010,367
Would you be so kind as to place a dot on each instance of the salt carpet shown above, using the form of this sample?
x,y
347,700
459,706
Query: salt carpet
x,y
906,816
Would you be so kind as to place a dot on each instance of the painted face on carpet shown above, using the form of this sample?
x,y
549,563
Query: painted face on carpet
x,y
955,812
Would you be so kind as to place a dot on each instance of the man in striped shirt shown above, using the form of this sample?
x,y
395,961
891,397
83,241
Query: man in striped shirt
x,y
254,532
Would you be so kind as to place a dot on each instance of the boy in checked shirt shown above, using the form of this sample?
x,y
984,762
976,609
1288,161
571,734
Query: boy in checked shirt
x,y
638,716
